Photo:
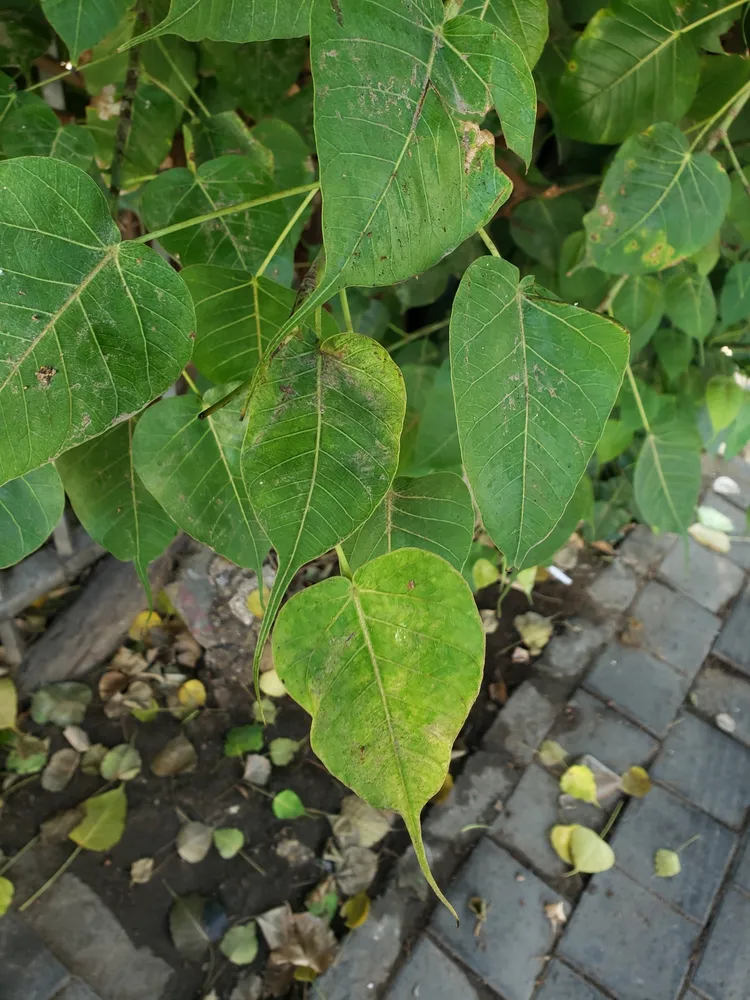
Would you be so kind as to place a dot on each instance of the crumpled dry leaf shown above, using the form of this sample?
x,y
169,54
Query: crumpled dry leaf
x,y
194,841
579,782
257,770
141,871
138,695
59,770
294,852
112,683
77,737
104,103
535,631
128,661
272,924
636,782
177,757
666,863
300,939
356,870
710,538
726,486
62,704
359,824
551,754
187,651
490,621
557,915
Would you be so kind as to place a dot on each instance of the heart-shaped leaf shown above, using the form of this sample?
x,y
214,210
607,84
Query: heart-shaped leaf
x,y
121,763
666,863
395,749
194,842
81,311
589,854
534,380
524,20
35,130
81,24
668,472
228,841
240,944
735,294
690,303
288,805
30,507
103,823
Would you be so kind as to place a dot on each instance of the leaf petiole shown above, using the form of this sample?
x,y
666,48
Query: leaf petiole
x,y
487,240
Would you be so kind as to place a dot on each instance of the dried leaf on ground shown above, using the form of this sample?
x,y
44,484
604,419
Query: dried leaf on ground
x,y
666,863
287,805
294,852
248,988
551,754
78,738
189,936
710,538
490,621
444,792
192,695
62,704
8,703
359,824
272,924
479,907
187,651
498,690
57,828
356,910
726,486
726,722
271,684
243,739
579,781
128,661
143,622
59,770
177,757
303,940
91,761
632,635
138,696
194,841
257,770
557,915
265,711
282,751
636,782
112,683
520,655
228,841
240,944
356,870
6,895
121,763
535,631
141,871
103,823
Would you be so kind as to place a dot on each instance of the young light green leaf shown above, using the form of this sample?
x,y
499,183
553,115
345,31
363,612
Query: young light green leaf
x,y
724,399
551,754
7,889
240,944
111,501
240,240
666,863
243,739
8,703
121,763
659,202
282,751
668,472
639,306
690,303
395,750
228,841
192,468
484,573
103,823
82,311
524,20
631,63
287,805
735,294
579,781
430,512
30,507
321,447
589,854
80,24
616,438
560,368
35,130
225,20
560,839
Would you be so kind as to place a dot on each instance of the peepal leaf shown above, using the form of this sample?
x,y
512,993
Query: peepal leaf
x,y
103,823
666,863
631,62
35,130
30,507
724,399
82,24
368,640
229,21
735,294
192,468
639,306
112,503
579,781
525,20
690,304
534,381
668,472
321,447
430,512
92,328
287,805
659,202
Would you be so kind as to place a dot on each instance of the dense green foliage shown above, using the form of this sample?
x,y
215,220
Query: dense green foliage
x,y
421,258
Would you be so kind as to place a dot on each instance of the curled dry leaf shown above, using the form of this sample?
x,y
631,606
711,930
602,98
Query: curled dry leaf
x,y
77,738
128,661
535,631
59,770
177,757
138,696
141,871
579,781
257,770
194,842
112,683
187,651
636,782
557,915
490,621
359,824
300,939
710,538
357,869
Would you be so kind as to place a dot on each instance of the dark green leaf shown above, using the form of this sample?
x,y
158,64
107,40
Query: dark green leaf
x,y
82,24
535,380
30,507
674,349
668,472
616,438
35,130
690,303
93,329
243,739
540,226
720,82
586,286
524,20
436,448
257,74
226,20
287,805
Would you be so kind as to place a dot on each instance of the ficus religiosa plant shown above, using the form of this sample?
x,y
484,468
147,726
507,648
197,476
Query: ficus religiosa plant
x,y
423,260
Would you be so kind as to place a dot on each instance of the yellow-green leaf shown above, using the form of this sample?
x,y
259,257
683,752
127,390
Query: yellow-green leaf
x,y
560,839
6,895
589,853
666,863
579,781
8,703
356,910
103,823
636,782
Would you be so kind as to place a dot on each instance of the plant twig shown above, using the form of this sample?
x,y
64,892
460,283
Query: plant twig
x,y
736,163
190,382
343,563
19,854
487,240
346,311
286,230
180,76
409,338
124,124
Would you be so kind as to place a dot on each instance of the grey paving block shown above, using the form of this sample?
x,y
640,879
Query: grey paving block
x,y
627,939
733,643
644,688
586,725
567,656
706,576
642,550
509,952
674,627
707,767
482,787
717,690
561,983
615,587
742,872
739,553
76,990
521,724
724,970
431,975
661,820
88,938
28,969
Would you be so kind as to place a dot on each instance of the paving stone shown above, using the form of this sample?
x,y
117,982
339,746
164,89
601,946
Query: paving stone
x,y
481,788
674,627
586,725
627,939
733,643
739,553
742,872
430,975
509,952
76,990
707,767
561,983
567,656
724,970
615,587
29,970
706,576
646,689
521,724
642,550
662,820
718,691
87,937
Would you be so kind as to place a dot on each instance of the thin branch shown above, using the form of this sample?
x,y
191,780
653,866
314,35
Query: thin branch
x,y
487,240
736,163
286,231
346,311
408,338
